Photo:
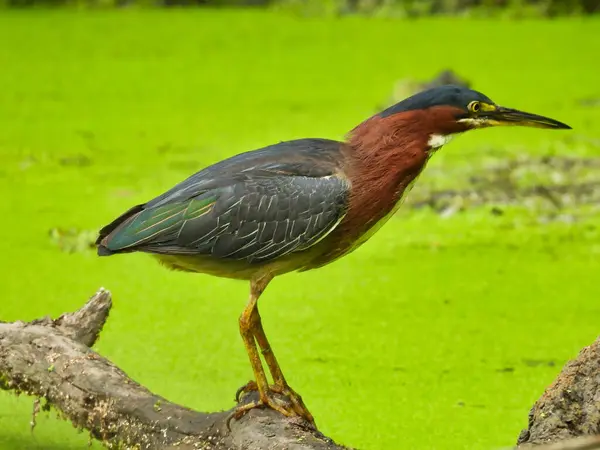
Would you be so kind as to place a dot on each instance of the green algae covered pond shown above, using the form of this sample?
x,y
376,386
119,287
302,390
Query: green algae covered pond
x,y
439,333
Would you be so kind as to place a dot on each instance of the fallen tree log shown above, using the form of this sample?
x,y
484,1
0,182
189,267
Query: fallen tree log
x,y
52,361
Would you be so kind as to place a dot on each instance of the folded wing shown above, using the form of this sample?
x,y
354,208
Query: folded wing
x,y
257,210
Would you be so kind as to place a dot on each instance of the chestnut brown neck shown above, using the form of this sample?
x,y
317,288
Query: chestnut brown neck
x,y
385,155
395,148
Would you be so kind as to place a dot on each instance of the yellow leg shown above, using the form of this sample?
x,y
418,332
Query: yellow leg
x,y
281,385
252,331
266,350
250,344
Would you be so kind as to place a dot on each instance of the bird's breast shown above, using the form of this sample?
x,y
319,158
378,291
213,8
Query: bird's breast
x,y
373,225
377,191
360,223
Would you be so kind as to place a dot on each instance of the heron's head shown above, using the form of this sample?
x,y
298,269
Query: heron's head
x,y
447,110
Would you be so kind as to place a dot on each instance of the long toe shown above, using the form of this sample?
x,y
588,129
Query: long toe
x,y
271,403
239,411
296,401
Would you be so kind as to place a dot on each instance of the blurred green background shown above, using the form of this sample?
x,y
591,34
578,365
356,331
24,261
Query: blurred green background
x,y
439,333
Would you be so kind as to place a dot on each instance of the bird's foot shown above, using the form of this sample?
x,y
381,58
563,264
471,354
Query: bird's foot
x,y
282,399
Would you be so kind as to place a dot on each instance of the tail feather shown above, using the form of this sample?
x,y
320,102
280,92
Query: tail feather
x,y
106,233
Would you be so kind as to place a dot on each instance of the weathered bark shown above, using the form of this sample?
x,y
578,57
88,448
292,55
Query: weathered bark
x,y
570,406
51,360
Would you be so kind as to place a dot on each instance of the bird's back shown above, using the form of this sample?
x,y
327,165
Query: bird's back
x,y
244,212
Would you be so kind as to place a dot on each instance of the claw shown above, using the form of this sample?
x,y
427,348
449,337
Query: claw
x,y
250,386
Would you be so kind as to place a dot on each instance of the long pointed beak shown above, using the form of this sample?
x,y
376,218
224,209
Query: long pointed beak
x,y
507,116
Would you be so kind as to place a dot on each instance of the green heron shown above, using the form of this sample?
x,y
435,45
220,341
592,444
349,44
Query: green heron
x,y
299,205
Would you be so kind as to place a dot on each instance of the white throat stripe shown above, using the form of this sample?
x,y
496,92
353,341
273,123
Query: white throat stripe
x,y
438,140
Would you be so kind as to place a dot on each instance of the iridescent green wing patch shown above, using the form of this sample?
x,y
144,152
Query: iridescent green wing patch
x,y
198,207
160,224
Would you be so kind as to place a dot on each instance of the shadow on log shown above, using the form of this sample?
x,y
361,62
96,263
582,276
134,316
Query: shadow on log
x,y
51,360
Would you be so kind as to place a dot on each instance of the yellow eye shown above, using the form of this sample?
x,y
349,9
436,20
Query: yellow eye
x,y
474,107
